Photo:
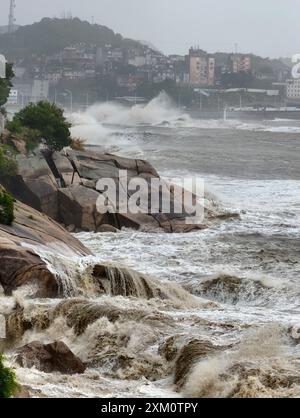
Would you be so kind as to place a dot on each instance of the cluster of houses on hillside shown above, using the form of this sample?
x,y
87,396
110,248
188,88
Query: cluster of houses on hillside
x,y
130,67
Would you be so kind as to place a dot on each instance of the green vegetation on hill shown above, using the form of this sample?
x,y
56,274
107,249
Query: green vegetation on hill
x,y
52,35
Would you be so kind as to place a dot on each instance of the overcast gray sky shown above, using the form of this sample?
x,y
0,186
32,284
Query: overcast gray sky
x,y
266,27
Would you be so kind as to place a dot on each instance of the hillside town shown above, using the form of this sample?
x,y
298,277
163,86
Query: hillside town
x,y
82,73
129,69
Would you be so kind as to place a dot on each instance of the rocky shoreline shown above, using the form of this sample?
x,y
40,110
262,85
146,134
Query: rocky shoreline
x,y
53,198
20,265
57,196
63,187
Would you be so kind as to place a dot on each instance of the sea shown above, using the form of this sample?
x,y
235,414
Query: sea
x,y
223,319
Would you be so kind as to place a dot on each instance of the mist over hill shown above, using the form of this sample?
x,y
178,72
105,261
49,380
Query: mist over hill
x,y
52,35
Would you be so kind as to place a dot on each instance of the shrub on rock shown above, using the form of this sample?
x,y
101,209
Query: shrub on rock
x,y
8,166
77,144
6,208
8,384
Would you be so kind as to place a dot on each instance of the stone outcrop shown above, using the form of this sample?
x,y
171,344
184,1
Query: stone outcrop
x,y
107,228
19,145
19,262
64,188
77,206
35,185
53,357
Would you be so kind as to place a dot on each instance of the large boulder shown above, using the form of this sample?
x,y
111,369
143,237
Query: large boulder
x,y
20,245
107,228
63,186
35,185
78,207
65,167
20,267
49,358
93,165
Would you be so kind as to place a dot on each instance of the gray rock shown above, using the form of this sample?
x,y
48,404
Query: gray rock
x,y
65,190
36,185
20,264
77,206
49,358
71,228
66,169
107,228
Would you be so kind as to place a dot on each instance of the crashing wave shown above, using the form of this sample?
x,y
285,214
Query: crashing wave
x,y
121,281
260,367
257,291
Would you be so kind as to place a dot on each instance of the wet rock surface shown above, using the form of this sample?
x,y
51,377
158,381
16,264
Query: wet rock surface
x,y
20,264
63,186
53,357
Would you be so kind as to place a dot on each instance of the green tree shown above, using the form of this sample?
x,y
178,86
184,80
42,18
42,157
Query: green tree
x,y
47,119
8,384
5,85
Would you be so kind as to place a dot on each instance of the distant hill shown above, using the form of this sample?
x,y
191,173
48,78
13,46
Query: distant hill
x,y
51,35
4,29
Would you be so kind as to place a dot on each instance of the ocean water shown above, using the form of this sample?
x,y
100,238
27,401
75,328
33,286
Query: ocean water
x,y
214,313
